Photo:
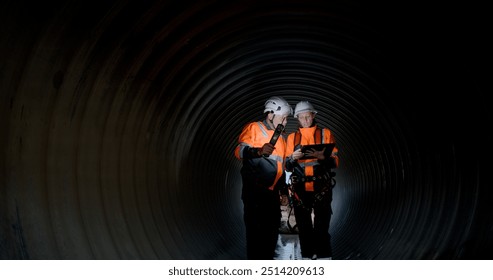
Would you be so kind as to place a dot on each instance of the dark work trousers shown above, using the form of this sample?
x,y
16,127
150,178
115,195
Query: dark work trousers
x,y
314,236
262,216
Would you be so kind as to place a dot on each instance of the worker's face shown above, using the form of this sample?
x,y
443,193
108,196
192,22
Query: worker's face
x,y
306,119
280,119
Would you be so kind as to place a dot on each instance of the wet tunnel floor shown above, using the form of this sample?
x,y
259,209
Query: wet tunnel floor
x,y
288,247
288,243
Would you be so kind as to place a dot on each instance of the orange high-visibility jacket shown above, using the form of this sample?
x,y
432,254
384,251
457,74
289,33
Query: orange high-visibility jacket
x,y
308,137
265,171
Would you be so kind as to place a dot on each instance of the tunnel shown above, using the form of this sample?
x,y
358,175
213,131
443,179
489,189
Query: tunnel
x,y
119,121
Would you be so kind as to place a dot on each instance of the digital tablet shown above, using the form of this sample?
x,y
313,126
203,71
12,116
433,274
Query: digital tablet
x,y
318,147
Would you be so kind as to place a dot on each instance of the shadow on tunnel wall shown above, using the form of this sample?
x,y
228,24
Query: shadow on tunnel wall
x,y
119,121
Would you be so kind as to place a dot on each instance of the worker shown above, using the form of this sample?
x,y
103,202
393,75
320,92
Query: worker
x,y
263,177
311,180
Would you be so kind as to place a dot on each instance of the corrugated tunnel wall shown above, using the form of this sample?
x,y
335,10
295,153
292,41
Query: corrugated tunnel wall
x,y
119,121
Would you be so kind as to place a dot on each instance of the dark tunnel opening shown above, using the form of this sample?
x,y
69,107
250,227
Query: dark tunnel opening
x,y
119,122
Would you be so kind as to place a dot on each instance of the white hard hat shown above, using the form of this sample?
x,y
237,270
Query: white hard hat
x,y
278,105
303,106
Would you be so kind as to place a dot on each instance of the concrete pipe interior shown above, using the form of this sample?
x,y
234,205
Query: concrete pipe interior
x,y
119,121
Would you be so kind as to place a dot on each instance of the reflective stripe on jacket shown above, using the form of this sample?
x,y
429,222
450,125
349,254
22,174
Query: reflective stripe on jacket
x,y
266,170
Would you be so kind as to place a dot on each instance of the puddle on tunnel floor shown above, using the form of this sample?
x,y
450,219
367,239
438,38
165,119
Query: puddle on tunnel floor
x,y
288,243
288,247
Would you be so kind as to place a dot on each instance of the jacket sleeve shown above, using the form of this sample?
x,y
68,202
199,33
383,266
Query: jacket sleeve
x,y
331,160
288,161
289,165
245,149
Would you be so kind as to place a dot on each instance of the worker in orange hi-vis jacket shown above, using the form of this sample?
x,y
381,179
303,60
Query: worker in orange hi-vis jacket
x,y
312,181
261,147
